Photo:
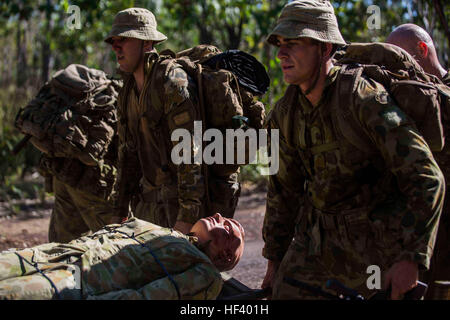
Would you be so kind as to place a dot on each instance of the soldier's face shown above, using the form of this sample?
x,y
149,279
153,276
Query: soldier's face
x,y
129,52
299,60
226,236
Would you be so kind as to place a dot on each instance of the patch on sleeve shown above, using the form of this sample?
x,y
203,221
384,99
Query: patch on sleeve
x,y
181,118
382,97
176,85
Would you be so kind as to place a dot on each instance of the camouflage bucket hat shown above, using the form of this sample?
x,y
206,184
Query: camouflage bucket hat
x,y
307,19
136,23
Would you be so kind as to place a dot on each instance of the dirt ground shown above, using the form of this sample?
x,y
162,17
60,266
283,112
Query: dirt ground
x,y
29,227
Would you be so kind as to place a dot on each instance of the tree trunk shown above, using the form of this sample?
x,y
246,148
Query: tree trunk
x,y
440,12
22,67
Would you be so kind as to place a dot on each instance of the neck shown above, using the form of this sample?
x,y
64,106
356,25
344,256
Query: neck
x,y
438,71
316,93
434,67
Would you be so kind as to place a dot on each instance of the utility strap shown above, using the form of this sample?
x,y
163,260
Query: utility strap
x,y
35,265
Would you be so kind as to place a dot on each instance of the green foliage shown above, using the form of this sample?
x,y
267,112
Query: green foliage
x,y
14,167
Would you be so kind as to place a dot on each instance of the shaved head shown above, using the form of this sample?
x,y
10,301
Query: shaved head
x,y
408,35
418,43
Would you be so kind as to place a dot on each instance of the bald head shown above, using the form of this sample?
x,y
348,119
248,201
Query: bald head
x,y
418,43
407,36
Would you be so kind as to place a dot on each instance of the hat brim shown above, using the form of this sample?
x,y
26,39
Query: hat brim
x,y
293,30
132,32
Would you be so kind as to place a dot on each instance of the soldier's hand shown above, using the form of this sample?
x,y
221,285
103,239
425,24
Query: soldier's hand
x,y
183,227
272,268
402,277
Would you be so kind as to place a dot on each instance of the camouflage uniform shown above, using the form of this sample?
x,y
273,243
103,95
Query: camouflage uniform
x,y
160,191
168,192
440,262
113,266
350,208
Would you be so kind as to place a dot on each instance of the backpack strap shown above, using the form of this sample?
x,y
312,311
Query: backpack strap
x,y
345,123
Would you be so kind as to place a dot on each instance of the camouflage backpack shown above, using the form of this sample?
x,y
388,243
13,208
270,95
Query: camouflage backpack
x,y
420,95
72,120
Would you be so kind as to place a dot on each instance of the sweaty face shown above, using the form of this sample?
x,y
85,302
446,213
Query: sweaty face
x,y
129,52
226,238
299,60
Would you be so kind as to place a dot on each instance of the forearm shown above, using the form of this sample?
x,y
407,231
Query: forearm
x,y
279,224
286,189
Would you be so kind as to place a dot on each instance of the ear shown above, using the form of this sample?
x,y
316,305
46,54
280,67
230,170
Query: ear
x,y
326,50
423,49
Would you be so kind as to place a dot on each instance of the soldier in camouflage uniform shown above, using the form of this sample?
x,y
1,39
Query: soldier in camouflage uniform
x,y
417,42
134,260
158,98
351,209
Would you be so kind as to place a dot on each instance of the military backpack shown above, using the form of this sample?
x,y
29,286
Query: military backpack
x,y
72,120
420,95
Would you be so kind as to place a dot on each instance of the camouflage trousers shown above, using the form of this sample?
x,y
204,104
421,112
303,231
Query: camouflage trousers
x,y
20,278
321,252
76,212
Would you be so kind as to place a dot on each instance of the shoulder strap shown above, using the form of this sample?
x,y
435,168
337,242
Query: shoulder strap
x,y
345,123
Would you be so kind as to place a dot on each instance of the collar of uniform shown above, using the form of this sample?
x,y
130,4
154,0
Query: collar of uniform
x,y
329,80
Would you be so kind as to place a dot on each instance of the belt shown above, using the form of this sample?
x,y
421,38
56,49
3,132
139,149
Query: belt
x,y
343,222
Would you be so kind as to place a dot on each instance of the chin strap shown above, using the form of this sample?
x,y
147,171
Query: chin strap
x,y
317,73
140,57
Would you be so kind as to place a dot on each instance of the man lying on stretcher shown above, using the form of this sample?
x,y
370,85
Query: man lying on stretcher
x,y
132,260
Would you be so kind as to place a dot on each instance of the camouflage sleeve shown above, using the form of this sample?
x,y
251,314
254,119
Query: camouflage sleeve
x,y
283,199
201,282
409,158
182,110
